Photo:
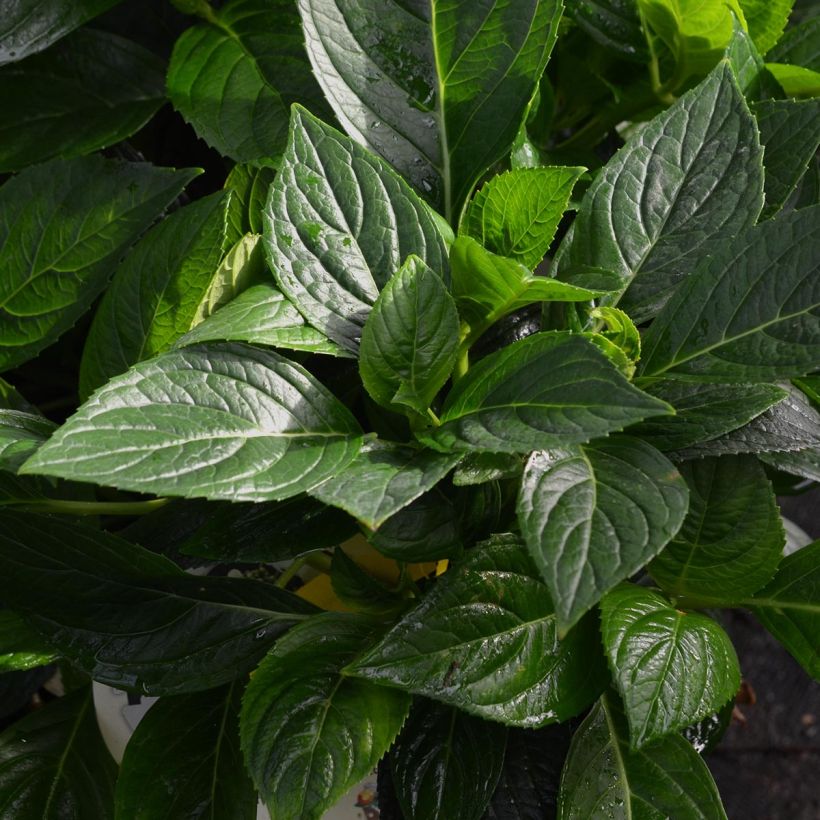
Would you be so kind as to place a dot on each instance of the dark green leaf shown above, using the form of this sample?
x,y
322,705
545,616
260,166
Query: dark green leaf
x,y
548,390
157,291
308,732
439,89
133,619
614,24
708,732
63,226
184,760
485,639
594,515
800,45
446,763
330,254
359,590
54,764
21,434
382,479
21,647
214,421
603,778
478,468
410,339
670,667
789,608
692,174
805,463
250,186
750,71
732,538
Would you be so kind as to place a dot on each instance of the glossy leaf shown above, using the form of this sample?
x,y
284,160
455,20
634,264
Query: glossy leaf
x,y
21,647
88,92
517,213
410,339
21,434
54,764
309,733
446,763
156,292
805,463
478,468
382,479
766,20
330,254
548,390
747,64
748,312
440,89
63,226
615,24
789,609
670,667
249,185
732,538
213,421
133,619
594,515
485,639
605,779
693,173
795,80
184,760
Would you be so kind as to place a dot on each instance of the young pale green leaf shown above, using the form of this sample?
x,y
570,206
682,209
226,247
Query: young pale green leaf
x,y
800,45
805,463
261,315
234,78
795,80
615,24
692,174
748,312
21,434
443,89
704,411
790,133
184,760
547,390
91,90
219,421
732,538
517,213
156,292
605,779
410,339
766,20
21,647
788,607
383,479
54,764
28,26
671,668
594,515
131,618
63,226
330,254
249,185
487,287
308,732
446,763
485,639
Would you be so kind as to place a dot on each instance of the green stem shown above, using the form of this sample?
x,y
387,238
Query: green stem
x,y
433,417
55,505
319,561
284,579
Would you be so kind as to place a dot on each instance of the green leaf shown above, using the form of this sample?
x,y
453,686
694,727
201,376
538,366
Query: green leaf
x,y
235,77
443,89
156,292
790,133
28,26
805,463
516,214
615,24
748,312
63,226
547,390
382,479
800,45
479,468
446,763
789,609
766,20
704,411
212,421
330,254
594,515
54,764
91,90
732,538
751,74
131,618
21,434
359,590
795,80
410,339
249,185
605,779
184,760
21,647
693,174
485,639
670,667
308,732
